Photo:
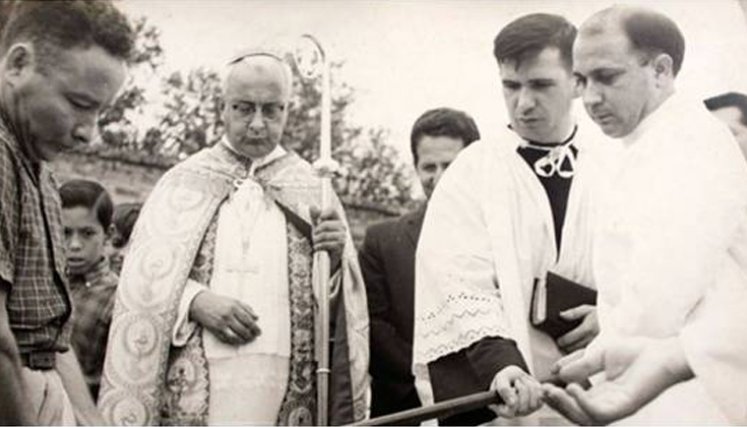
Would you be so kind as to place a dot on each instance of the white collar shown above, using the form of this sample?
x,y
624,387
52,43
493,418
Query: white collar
x,y
662,113
276,153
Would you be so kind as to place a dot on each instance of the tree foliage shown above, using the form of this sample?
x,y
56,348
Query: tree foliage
x,y
190,119
118,130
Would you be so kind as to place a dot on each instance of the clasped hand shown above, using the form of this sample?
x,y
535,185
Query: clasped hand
x,y
328,234
521,393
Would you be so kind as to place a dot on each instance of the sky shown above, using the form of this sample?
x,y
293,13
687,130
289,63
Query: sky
x,y
404,57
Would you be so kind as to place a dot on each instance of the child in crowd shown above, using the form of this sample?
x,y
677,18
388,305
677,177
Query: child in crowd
x,y
86,218
123,221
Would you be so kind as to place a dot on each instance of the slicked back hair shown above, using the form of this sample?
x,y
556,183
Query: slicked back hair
x,y
443,122
730,99
653,33
529,35
90,195
650,33
52,26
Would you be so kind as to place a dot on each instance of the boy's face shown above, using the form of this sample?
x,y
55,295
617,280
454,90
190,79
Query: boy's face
x,y
85,239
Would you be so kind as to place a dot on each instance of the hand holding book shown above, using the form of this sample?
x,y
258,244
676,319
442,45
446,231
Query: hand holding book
x,y
565,310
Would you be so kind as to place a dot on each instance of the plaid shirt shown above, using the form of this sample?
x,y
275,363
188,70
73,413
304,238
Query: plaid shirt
x,y
32,258
93,298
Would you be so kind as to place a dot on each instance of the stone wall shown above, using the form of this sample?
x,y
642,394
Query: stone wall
x,y
131,181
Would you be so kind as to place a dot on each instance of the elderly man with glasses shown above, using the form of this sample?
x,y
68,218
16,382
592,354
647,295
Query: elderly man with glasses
x,y
215,314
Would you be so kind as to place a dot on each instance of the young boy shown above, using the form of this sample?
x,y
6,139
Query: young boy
x,y
86,218
123,221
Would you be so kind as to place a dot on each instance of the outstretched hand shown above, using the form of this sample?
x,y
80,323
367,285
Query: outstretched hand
x,y
636,371
612,358
599,405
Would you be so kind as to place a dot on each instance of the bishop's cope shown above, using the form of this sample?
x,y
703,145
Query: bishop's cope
x,y
215,317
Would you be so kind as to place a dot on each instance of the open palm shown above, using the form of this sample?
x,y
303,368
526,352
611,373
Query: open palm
x,y
606,402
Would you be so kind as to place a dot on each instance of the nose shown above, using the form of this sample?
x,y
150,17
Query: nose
x,y
526,100
74,243
591,94
437,174
84,131
257,123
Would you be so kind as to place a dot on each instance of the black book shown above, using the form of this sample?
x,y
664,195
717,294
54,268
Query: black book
x,y
558,294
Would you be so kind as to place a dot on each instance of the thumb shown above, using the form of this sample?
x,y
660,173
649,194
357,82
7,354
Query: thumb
x,y
315,213
566,360
502,384
577,312
580,369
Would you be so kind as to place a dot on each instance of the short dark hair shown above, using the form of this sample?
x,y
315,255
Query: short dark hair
x,y
653,33
443,122
65,24
124,219
90,195
530,34
726,100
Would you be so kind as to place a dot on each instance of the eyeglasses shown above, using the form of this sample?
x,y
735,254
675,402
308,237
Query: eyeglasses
x,y
270,110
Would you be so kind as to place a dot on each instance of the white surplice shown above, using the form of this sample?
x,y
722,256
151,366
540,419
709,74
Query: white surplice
x,y
487,234
669,258
247,382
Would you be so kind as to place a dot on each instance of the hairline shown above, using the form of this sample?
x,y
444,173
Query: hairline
x,y
286,71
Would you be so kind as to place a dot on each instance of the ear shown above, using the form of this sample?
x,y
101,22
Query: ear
x,y
222,106
19,61
109,232
663,66
578,89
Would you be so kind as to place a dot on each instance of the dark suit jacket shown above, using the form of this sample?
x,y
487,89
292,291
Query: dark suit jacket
x,y
387,259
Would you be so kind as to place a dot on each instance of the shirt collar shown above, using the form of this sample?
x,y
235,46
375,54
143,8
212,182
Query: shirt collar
x,y
521,141
661,114
7,135
93,276
276,153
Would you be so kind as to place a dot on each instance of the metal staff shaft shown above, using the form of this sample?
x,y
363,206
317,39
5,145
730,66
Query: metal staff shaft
x,y
439,410
323,367
325,170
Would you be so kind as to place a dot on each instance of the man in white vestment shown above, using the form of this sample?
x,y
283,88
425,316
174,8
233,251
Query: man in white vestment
x,y
669,257
216,312
504,214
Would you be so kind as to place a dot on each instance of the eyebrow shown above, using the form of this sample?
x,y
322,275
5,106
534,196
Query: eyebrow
x,y
605,70
541,80
538,80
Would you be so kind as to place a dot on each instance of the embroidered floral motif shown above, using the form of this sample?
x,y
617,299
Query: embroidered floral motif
x,y
299,403
187,376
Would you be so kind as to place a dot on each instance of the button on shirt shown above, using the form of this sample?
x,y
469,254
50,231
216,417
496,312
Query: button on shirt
x,y
31,250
